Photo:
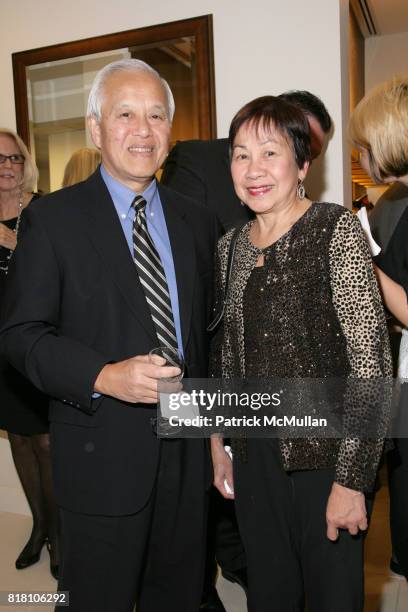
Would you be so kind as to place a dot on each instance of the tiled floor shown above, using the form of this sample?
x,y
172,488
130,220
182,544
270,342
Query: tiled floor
x,y
385,592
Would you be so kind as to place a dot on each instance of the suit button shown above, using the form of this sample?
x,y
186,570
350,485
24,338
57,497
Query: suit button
x,y
89,447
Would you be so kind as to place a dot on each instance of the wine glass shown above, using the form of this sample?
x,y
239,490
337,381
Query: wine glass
x,y
173,357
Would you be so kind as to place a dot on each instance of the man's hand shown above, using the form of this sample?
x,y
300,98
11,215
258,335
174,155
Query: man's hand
x,y
345,510
222,465
7,237
134,380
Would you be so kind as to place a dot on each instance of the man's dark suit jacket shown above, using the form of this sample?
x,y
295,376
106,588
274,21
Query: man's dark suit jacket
x,y
201,170
74,303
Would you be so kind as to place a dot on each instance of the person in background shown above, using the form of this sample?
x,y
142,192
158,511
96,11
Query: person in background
x,y
80,165
201,170
387,213
108,270
23,409
318,118
303,303
379,128
361,203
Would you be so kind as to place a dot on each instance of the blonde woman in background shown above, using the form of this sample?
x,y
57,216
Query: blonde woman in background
x,y
81,164
23,409
379,128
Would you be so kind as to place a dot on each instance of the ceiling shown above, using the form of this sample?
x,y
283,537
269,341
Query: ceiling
x,y
389,16
379,17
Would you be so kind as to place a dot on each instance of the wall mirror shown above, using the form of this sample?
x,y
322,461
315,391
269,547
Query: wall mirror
x,y
51,87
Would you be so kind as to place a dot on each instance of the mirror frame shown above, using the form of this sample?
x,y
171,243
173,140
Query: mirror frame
x,y
199,27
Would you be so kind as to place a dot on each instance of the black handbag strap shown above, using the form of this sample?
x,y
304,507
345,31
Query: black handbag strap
x,y
219,315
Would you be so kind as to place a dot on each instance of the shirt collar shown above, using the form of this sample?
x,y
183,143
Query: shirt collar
x,y
123,197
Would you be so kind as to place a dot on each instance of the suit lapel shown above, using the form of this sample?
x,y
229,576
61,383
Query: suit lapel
x,y
106,234
183,251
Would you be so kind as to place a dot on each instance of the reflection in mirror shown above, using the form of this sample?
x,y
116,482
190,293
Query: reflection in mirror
x,y
57,94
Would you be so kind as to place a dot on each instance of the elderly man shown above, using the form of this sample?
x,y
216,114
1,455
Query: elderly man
x,y
105,271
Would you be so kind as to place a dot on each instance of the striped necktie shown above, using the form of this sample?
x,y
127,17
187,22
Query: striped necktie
x,y
152,276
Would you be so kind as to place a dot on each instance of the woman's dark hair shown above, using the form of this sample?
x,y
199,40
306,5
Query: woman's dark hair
x,y
271,112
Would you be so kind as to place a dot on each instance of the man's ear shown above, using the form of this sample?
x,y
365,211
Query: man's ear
x,y
95,130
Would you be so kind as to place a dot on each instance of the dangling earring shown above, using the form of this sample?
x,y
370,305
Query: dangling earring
x,y
300,191
242,203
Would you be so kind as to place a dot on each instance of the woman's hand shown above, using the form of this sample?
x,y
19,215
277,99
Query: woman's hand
x,y
345,510
7,237
222,465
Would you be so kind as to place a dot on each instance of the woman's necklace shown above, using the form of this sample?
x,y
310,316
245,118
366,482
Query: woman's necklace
x,y
4,264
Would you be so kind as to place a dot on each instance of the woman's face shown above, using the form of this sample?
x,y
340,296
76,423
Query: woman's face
x,y
11,175
264,169
369,165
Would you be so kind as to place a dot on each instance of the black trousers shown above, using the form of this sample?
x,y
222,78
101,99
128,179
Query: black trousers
x,y
398,481
398,487
224,544
282,519
154,558
228,547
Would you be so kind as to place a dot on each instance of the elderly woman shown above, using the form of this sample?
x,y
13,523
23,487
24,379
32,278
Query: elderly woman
x,y
23,409
379,128
302,302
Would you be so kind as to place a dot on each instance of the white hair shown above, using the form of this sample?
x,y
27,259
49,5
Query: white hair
x,y
96,93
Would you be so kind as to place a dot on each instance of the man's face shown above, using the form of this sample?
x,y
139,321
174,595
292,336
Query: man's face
x,y
317,136
134,130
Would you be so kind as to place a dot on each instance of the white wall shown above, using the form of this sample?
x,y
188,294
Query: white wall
x,y
260,47
385,56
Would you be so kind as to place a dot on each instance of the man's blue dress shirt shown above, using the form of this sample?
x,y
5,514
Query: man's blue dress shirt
x,y
122,198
